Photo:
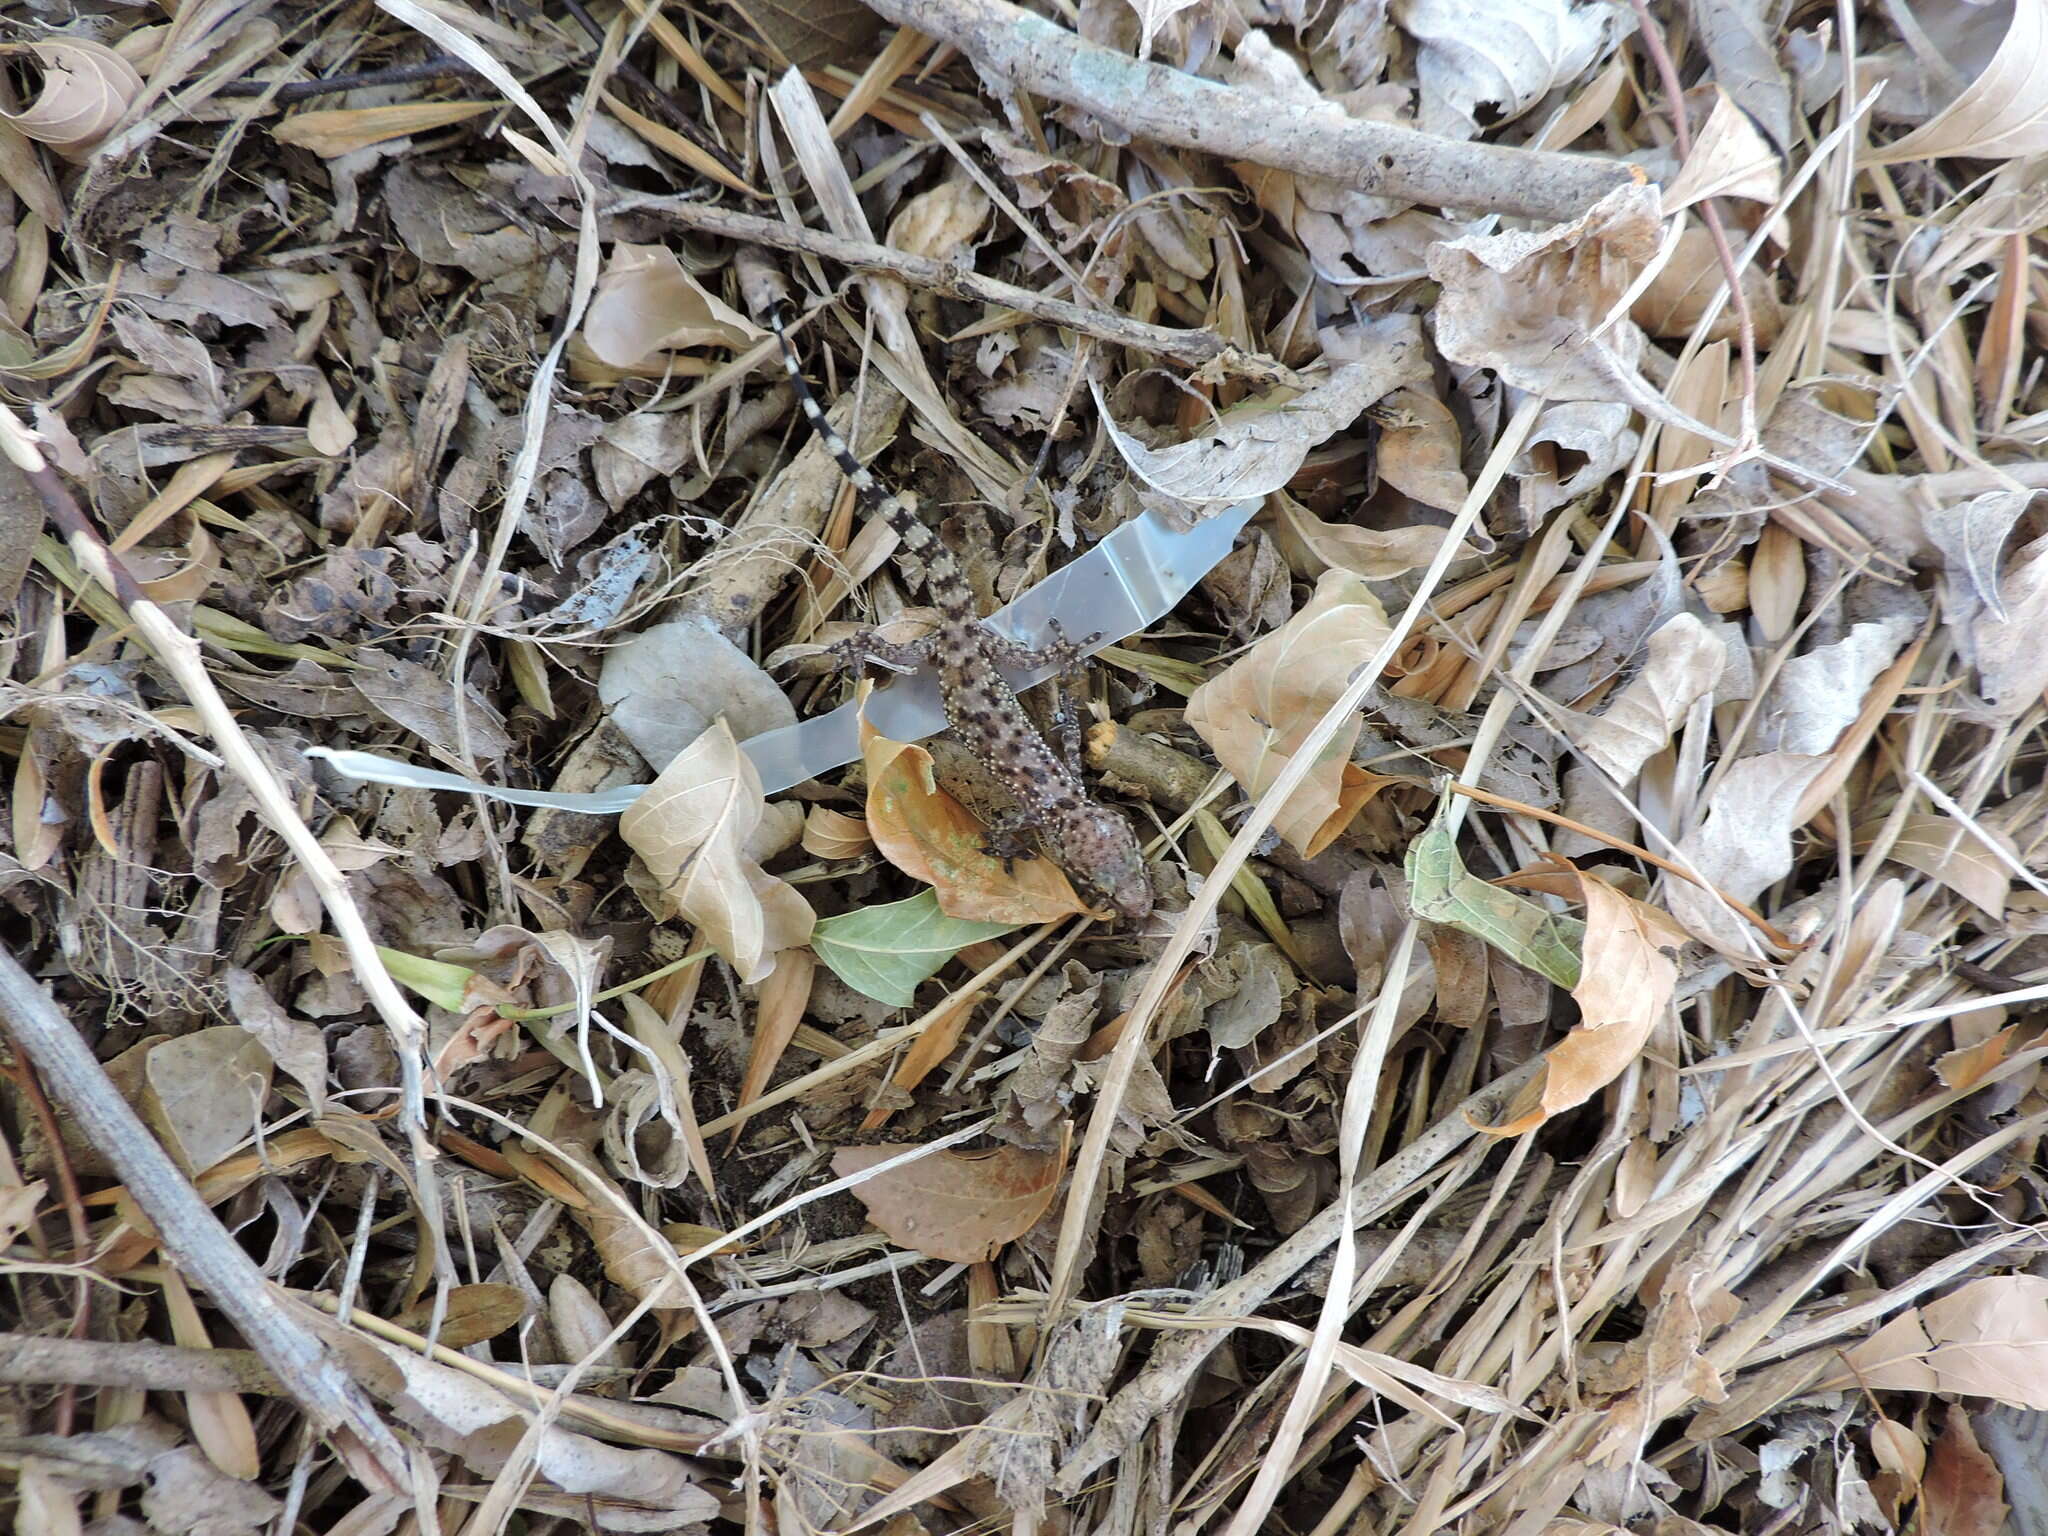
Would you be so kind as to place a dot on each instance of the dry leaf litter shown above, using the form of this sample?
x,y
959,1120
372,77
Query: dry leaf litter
x,y
1583,1069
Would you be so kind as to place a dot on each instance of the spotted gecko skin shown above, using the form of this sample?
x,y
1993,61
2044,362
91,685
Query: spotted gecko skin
x,y
1092,843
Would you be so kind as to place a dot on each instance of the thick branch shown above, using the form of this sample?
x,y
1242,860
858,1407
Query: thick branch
x,y
1174,107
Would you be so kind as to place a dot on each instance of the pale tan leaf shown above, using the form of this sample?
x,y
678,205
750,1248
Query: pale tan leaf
x,y
693,827
1743,844
1258,712
331,132
958,1206
1533,305
86,88
1260,445
1686,660
203,1092
1729,159
2001,114
1956,855
646,303
940,221
220,1420
1988,1338
1896,1449
296,1045
472,1314
1502,55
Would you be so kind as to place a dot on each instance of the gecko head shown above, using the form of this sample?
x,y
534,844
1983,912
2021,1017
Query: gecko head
x,y
1100,851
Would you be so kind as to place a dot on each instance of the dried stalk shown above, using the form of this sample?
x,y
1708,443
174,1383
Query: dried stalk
x,y
1194,349
1173,107
197,1243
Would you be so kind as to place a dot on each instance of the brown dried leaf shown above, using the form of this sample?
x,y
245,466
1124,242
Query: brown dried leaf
x,y
1626,979
474,1313
1988,1338
1419,449
86,88
1963,1493
695,827
203,1092
957,1206
932,837
1265,703
646,303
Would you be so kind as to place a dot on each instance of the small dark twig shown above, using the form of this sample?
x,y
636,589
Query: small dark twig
x,y
441,66
663,104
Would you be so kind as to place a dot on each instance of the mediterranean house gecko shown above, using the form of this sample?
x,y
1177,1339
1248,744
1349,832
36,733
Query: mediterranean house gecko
x,y
1092,843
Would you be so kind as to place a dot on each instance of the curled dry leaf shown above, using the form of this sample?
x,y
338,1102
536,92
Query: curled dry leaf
x,y
86,88
1260,445
830,834
1533,305
1313,546
1265,703
1729,158
957,1206
646,303
930,836
2003,112
1988,1338
696,828
1442,890
1504,55
1686,660
1627,974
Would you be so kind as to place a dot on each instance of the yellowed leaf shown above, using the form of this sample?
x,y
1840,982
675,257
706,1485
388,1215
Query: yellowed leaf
x,y
1256,714
646,303
333,131
86,88
694,828
1626,978
957,1206
1988,1338
932,837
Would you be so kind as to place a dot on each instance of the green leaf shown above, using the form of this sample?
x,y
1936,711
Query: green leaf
x,y
436,980
1443,891
885,952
